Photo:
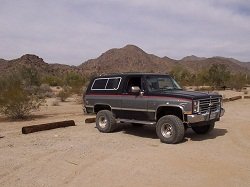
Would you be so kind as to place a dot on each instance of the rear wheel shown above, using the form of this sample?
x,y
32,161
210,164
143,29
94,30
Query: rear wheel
x,y
170,129
105,121
204,129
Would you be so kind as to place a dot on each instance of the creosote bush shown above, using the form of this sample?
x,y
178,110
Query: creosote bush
x,y
15,101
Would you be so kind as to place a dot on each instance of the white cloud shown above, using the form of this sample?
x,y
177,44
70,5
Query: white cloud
x,y
73,31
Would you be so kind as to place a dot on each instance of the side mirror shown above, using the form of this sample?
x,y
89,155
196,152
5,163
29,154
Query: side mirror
x,y
135,89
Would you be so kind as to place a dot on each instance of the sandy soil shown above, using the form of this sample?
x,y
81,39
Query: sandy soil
x,y
132,156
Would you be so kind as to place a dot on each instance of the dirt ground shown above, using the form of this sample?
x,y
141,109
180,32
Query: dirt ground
x,y
131,156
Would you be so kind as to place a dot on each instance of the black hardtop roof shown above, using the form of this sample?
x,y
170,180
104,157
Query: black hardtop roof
x,y
128,74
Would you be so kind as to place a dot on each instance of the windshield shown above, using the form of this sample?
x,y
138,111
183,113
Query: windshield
x,y
161,83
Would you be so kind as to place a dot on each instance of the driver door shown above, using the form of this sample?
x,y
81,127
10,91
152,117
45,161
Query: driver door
x,y
134,105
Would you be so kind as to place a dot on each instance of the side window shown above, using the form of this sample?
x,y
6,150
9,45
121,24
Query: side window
x,y
112,83
152,83
133,81
99,84
163,83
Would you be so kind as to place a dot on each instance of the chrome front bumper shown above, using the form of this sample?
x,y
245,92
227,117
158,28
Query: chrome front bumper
x,y
196,118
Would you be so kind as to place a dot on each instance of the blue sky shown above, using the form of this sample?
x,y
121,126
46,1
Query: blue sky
x,y
73,31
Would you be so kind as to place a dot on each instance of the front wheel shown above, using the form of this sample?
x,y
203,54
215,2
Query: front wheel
x,y
105,121
204,129
170,129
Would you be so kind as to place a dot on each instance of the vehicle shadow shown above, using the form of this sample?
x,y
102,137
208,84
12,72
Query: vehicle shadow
x,y
190,134
140,131
148,131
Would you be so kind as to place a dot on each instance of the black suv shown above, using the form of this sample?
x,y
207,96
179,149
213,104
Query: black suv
x,y
151,99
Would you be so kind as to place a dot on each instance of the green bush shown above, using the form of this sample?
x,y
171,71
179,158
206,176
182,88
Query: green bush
x,y
52,81
15,101
237,81
75,81
30,76
182,76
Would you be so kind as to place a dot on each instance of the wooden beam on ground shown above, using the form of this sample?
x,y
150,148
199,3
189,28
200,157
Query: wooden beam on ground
x,y
90,120
235,98
47,126
246,97
226,100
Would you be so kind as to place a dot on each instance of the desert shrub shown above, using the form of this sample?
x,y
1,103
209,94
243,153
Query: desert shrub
x,y
45,88
238,81
52,80
15,101
201,78
79,97
30,76
64,93
218,75
182,75
75,81
45,91
55,103
31,89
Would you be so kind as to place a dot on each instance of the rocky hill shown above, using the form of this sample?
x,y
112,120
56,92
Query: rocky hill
x,y
197,65
127,59
131,58
37,63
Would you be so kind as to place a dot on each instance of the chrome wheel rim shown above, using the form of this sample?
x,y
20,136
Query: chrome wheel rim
x,y
103,121
166,130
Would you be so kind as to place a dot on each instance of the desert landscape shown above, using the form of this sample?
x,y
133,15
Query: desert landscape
x,y
131,156
50,52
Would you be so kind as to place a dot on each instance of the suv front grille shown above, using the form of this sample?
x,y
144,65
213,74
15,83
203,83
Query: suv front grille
x,y
212,104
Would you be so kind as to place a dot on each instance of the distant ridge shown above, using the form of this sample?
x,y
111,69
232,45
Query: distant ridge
x,y
133,59
127,59
193,58
37,63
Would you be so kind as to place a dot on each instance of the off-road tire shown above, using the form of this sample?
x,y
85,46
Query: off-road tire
x,y
170,129
204,129
105,121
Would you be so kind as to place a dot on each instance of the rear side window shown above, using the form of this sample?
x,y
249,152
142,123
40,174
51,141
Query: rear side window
x,y
112,83
99,84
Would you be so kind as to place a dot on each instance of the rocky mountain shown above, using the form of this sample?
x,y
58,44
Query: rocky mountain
x,y
127,59
37,63
133,59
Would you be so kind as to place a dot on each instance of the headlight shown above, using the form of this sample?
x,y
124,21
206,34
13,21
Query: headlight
x,y
196,107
